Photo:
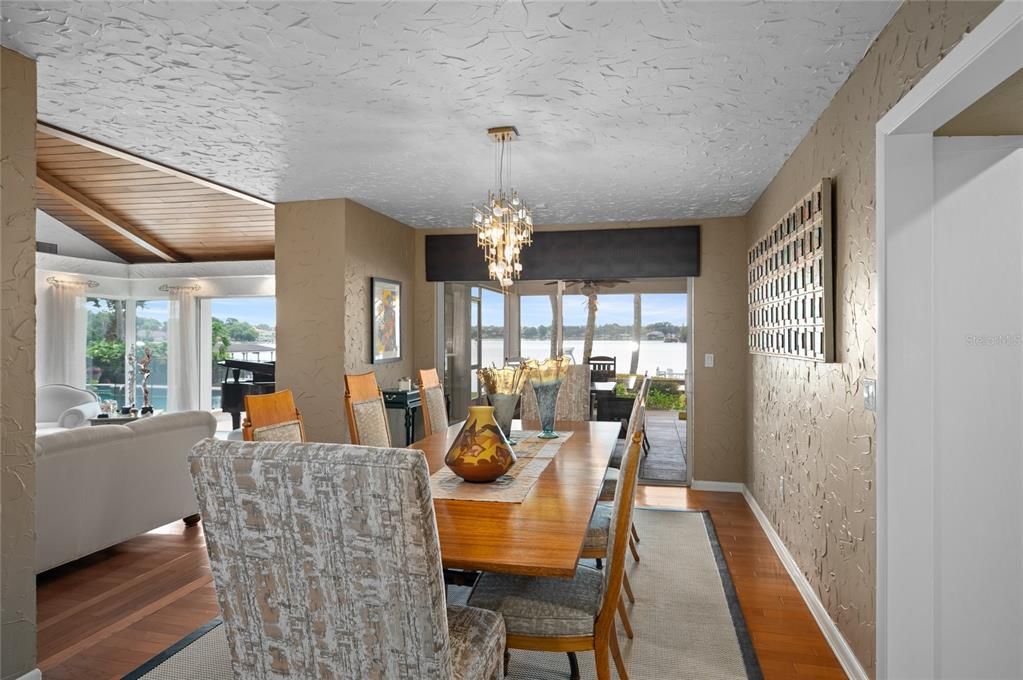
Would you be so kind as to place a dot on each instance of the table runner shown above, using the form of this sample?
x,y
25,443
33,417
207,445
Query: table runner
x,y
534,455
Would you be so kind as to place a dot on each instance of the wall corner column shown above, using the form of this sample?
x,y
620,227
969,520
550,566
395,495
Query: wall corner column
x,y
310,259
17,364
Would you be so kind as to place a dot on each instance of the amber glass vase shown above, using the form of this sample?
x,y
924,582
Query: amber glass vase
x,y
480,452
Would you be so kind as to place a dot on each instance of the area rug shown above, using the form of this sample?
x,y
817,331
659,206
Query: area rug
x,y
687,620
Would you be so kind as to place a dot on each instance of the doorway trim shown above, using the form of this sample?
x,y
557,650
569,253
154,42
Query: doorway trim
x,y
906,536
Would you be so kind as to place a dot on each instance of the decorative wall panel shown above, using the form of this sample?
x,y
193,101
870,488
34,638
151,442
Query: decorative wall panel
x,y
791,296
807,422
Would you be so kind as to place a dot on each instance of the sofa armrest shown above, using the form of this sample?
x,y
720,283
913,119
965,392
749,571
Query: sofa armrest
x,y
78,416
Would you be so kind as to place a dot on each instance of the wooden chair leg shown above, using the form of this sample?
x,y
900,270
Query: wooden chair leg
x,y
632,547
600,563
628,589
635,534
602,661
573,666
623,614
616,654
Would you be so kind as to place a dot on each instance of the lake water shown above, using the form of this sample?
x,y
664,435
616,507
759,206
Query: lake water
x,y
653,355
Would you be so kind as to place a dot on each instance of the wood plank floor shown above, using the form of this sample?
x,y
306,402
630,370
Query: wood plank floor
x,y
105,615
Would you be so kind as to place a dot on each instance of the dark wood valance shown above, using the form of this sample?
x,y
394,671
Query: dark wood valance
x,y
651,252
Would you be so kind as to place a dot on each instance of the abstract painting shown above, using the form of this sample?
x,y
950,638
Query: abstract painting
x,y
386,305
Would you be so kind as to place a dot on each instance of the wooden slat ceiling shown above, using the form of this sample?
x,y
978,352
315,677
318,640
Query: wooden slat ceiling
x,y
143,213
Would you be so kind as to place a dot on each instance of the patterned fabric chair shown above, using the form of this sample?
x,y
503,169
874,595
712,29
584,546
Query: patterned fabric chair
x,y
327,564
367,415
434,405
554,614
573,397
272,418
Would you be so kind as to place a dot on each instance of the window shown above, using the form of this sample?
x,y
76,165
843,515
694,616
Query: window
x,y
151,333
536,314
486,316
241,328
104,347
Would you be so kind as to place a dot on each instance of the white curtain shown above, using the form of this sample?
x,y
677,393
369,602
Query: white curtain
x,y
182,352
60,345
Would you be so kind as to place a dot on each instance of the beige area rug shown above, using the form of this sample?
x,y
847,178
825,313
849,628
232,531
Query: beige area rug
x,y
687,621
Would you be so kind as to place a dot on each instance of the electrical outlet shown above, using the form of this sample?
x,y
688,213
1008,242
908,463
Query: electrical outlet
x,y
708,361
781,487
870,394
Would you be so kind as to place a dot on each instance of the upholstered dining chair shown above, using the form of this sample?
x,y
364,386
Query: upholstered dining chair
x,y
573,397
326,563
595,546
272,418
577,615
367,415
431,397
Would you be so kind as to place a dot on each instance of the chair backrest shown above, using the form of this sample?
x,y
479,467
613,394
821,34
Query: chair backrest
x,y
53,400
325,559
573,397
431,397
604,368
272,418
637,419
618,535
367,415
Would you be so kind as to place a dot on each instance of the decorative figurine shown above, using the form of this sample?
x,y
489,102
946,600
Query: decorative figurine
x,y
147,407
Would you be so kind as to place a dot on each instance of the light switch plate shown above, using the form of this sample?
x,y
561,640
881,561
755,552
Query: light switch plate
x,y
870,394
708,361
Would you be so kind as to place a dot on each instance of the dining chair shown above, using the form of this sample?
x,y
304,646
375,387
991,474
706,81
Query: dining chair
x,y
604,368
641,396
595,545
431,397
367,415
326,563
272,418
570,615
573,397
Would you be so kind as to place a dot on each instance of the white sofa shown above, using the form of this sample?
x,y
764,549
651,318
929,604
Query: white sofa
x,y
98,486
62,407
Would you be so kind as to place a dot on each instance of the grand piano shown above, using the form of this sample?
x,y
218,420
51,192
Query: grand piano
x,y
234,388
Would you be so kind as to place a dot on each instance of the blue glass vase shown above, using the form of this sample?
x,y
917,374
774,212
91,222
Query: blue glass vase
x,y
547,406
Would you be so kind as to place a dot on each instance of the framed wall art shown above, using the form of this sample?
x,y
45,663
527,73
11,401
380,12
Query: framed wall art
x,y
385,303
791,283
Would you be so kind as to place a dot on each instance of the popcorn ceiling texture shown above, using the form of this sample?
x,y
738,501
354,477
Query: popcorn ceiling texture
x,y
17,364
806,421
628,111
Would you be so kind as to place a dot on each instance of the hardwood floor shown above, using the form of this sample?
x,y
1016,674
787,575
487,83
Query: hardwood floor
x,y
104,615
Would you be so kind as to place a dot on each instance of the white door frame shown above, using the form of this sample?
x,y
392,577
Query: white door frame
x,y
905,197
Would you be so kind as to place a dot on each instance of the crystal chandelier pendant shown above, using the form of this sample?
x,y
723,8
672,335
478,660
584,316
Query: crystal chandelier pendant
x,y
504,224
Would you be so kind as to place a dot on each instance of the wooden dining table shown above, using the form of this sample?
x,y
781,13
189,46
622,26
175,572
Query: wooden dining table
x,y
541,536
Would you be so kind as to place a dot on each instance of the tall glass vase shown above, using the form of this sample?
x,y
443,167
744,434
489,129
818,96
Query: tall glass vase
x,y
547,406
504,412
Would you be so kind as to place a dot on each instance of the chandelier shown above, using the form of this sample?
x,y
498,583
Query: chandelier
x,y
504,225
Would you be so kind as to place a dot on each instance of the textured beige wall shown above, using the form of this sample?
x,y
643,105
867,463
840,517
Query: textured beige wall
x,y
807,421
326,253
381,247
310,266
719,327
17,364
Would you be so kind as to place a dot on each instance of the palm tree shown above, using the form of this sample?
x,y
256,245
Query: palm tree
x,y
637,332
590,290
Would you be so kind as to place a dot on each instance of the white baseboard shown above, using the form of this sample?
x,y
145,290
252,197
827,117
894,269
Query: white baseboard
x,y
731,487
32,675
850,664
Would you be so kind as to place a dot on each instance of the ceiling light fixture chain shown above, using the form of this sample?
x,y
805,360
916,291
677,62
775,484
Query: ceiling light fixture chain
x,y
504,225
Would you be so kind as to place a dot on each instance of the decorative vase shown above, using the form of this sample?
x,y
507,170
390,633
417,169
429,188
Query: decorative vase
x,y
547,406
504,412
480,452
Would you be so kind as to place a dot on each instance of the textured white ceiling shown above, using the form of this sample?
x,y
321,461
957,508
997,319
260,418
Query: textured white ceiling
x,y
627,111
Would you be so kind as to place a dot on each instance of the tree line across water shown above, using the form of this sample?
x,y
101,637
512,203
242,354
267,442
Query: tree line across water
x,y
608,331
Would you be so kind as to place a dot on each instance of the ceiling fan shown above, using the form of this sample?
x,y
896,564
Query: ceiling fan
x,y
590,286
